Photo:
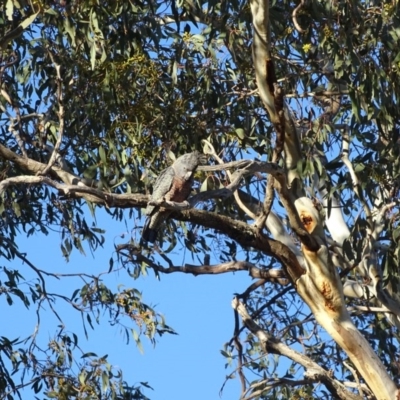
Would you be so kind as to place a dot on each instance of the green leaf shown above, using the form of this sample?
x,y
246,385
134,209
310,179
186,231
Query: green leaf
x,y
10,10
174,74
396,234
137,341
105,382
102,155
86,355
204,185
240,133
93,51
70,29
26,22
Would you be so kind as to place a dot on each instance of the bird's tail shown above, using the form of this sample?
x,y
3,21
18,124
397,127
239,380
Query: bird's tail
x,y
148,234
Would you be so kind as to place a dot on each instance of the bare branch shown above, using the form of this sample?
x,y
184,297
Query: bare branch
x,y
225,192
354,178
274,275
354,373
209,149
238,345
268,201
76,191
313,370
246,236
368,309
268,384
254,286
324,93
35,167
363,386
170,205
294,17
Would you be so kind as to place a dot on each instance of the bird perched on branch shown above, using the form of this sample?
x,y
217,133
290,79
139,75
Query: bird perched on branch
x,y
173,184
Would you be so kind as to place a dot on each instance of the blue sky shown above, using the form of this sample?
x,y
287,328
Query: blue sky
x,y
188,365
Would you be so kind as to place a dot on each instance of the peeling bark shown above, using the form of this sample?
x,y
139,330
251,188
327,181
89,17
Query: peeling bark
x,y
322,290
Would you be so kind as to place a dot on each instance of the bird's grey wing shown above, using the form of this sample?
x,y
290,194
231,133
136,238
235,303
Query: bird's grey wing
x,y
161,187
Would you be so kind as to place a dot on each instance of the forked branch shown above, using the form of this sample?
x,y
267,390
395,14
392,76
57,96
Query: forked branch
x,y
313,370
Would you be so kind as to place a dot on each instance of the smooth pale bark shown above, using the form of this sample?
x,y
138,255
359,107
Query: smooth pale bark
x,y
320,287
322,290
338,324
334,217
267,85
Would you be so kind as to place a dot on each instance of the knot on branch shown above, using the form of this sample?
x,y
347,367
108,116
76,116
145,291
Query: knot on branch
x,y
310,217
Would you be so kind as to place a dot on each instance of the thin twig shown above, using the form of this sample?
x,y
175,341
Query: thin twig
x,y
209,148
96,195
61,120
354,373
317,94
272,300
274,275
313,370
294,17
251,288
239,349
354,178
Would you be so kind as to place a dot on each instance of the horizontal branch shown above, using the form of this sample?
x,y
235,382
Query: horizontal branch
x,y
170,205
251,166
76,187
223,268
368,309
241,232
247,236
36,167
97,196
268,384
324,93
201,197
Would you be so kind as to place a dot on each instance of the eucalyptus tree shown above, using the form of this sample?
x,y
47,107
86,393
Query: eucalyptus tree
x,y
300,190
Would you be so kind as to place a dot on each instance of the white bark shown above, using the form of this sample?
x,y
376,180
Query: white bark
x,y
334,220
320,287
322,290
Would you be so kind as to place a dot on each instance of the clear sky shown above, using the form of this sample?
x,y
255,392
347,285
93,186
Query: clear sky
x,y
184,366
